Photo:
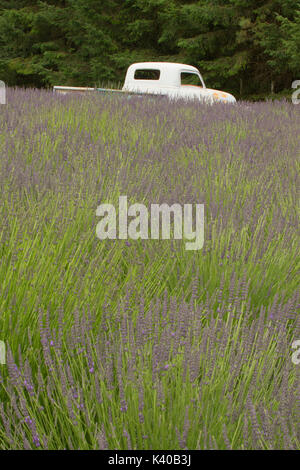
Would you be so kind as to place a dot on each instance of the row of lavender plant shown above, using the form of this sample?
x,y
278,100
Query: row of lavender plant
x,y
176,376
226,315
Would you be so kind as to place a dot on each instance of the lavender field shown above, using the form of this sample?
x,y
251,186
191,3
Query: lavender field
x,y
124,344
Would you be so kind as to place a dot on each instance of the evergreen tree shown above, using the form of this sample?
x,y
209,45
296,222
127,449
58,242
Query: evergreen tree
x,y
243,46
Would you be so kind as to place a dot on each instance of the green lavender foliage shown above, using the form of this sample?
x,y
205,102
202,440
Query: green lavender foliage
x,y
111,341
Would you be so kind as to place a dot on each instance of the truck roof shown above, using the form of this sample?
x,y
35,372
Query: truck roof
x,y
169,74
163,65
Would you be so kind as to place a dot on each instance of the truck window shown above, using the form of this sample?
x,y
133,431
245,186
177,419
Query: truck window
x,y
190,78
147,74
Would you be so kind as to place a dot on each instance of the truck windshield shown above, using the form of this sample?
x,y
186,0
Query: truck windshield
x,y
190,78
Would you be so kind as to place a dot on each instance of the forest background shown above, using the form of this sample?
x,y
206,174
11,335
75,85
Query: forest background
x,y
250,48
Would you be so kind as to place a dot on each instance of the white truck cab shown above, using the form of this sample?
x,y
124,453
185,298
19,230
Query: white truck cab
x,y
161,78
173,80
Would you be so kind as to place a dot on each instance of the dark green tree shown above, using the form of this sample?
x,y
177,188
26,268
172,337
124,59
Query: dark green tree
x,y
243,46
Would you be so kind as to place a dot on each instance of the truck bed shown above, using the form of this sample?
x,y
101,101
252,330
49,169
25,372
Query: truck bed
x,y
81,90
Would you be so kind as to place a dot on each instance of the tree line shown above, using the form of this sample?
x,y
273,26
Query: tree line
x,y
244,46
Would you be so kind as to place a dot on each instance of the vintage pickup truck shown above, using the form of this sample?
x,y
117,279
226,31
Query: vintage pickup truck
x,y
173,80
